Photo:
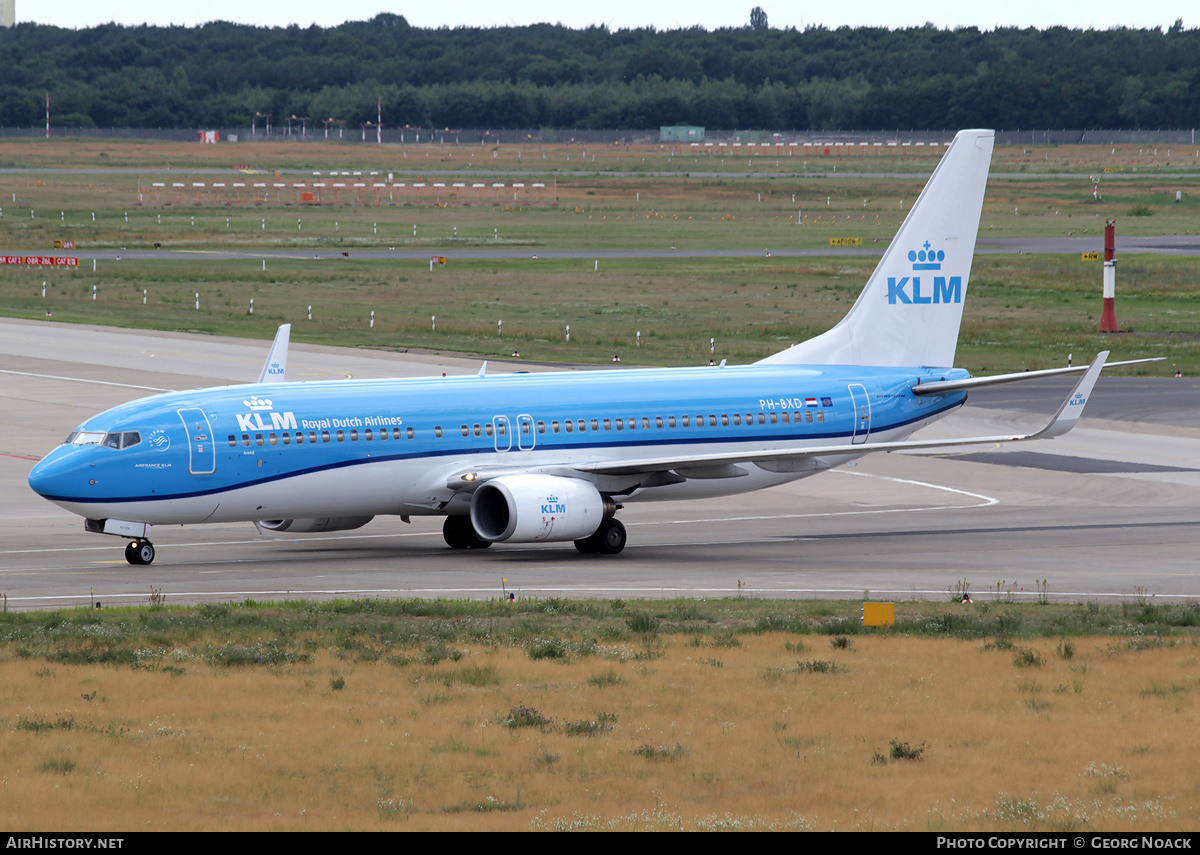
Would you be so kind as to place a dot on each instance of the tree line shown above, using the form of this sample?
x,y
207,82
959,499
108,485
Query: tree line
x,y
222,75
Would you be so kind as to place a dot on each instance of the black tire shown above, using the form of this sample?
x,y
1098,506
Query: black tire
x,y
611,537
589,545
139,552
458,532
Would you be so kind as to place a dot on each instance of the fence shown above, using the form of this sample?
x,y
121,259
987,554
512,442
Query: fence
x,y
592,136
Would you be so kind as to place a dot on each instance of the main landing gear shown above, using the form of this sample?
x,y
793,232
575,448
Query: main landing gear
x,y
460,534
609,539
139,552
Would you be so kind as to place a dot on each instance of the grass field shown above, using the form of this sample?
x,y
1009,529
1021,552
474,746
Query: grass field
x,y
1022,312
570,715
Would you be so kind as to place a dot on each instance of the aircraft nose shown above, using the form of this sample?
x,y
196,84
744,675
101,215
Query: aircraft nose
x,y
50,475
39,478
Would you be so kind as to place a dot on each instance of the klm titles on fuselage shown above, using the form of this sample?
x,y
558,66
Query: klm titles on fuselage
x,y
907,289
287,420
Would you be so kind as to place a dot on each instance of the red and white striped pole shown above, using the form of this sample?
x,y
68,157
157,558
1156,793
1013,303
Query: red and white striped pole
x,y
1108,318
47,115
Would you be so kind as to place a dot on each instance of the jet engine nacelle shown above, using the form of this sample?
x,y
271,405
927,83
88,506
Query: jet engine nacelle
x,y
537,508
322,524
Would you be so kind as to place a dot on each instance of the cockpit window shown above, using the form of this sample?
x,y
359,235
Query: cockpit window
x,y
86,437
117,439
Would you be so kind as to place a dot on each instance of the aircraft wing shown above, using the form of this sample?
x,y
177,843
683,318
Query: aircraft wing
x,y
798,459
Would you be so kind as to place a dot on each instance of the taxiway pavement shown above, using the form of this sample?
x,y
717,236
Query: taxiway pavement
x,y
1112,510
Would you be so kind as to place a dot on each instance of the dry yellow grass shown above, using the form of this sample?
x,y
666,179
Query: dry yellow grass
x,y
694,736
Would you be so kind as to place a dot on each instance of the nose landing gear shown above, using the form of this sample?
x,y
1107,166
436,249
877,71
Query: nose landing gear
x,y
139,552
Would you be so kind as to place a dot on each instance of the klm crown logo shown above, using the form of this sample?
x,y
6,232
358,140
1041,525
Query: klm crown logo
x,y
257,403
926,258
907,290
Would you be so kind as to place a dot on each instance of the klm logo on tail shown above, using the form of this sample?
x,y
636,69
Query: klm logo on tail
x,y
907,289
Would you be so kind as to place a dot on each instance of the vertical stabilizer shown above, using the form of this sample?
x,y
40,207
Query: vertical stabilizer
x,y
911,308
275,369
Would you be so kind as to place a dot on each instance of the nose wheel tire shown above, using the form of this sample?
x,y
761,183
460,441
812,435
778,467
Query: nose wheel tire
x,y
139,552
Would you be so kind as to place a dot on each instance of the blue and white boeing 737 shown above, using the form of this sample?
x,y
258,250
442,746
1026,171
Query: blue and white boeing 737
x,y
552,457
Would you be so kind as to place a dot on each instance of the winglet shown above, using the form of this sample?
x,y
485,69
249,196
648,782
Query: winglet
x,y
275,369
1072,408
482,369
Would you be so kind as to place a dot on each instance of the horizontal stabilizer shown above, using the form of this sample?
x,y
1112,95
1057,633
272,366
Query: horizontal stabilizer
x,y
943,387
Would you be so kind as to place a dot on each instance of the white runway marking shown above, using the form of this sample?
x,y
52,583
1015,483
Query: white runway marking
x,y
84,380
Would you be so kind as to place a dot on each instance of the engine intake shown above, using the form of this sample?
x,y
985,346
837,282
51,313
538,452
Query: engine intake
x,y
537,508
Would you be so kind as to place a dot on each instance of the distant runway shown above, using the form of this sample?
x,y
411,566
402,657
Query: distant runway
x,y
1110,511
1156,244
